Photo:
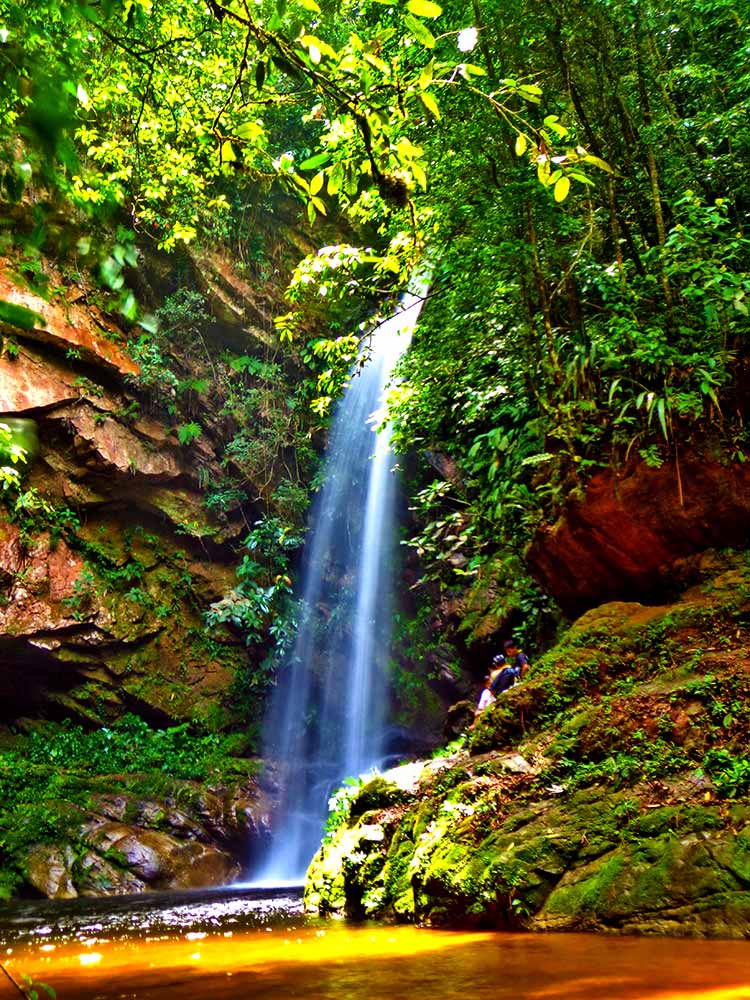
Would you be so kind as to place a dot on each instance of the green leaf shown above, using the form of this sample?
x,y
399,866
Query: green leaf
x,y
521,144
662,417
309,5
419,175
598,162
424,8
20,316
129,306
317,182
228,154
149,323
471,69
335,179
186,433
425,77
613,389
111,272
562,186
313,162
430,103
250,130
420,31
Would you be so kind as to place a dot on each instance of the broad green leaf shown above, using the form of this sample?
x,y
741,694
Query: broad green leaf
x,y
317,182
149,323
582,178
111,272
322,48
562,186
309,5
529,93
521,144
313,162
419,175
662,417
377,63
228,154
250,130
424,8
188,432
20,316
598,162
320,206
425,77
430,103
129,306
420,31
335,179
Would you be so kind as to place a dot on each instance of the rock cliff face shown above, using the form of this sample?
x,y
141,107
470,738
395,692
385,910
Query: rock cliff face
x,y
608,791
110,556
623,538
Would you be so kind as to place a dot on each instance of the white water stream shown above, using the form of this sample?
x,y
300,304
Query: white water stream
x,y
328,715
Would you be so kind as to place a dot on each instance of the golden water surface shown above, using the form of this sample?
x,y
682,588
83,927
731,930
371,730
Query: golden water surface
x,y
232,955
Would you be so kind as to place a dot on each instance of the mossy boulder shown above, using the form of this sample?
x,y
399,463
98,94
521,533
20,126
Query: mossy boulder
x,y
608,791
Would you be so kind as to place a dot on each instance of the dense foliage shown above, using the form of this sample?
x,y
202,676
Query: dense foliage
x,y
574,175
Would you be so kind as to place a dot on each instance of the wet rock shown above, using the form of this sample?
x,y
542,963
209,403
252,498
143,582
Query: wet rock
x,y
587,798
49,871
31,382
99,877
71,326
160,860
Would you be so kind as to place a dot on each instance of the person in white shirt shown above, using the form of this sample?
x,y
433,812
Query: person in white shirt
x,y
486,698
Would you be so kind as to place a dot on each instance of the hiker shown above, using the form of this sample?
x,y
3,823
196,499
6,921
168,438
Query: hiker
x,y
486,698
504,675
519,659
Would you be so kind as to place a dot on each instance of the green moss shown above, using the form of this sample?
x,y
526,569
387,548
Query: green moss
x,y
376,794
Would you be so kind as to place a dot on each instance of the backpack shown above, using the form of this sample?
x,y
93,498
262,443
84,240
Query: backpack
x,y
504,680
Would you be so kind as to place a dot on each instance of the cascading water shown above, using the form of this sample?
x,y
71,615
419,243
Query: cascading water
x,y
327,718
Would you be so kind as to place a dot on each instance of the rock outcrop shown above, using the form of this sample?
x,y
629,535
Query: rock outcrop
x,y
632,525
109,556
188,837
609,791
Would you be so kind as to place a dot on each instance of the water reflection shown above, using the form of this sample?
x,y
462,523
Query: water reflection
x,y
241,948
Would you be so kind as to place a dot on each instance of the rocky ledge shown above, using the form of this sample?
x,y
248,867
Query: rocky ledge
x,y
187,835
607,792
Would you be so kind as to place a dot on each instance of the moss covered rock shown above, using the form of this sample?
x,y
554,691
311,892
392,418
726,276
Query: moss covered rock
x,y
609,791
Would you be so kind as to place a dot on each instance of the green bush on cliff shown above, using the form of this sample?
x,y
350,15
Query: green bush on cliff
x,y
129,745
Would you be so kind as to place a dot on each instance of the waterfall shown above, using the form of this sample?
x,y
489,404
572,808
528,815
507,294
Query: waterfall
x,y
327,718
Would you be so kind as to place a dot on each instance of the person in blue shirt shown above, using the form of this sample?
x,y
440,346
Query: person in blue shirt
x,y
518,658
509,668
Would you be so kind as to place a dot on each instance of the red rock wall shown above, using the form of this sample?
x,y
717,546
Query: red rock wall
x,y
631,527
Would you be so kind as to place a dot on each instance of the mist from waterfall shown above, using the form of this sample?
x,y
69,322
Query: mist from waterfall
x,y
327,718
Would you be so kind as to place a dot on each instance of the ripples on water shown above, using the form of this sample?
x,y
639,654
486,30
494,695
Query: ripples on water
x,y
246,944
